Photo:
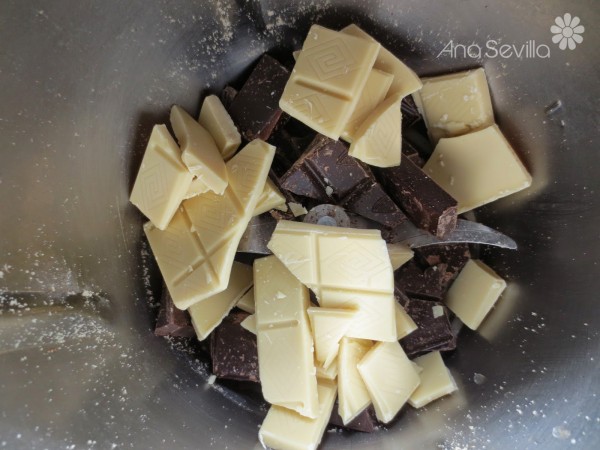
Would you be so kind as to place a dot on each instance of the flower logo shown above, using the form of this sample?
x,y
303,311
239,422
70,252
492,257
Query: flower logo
x,y
567,32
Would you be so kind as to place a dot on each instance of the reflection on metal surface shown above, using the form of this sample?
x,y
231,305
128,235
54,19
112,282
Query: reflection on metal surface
x,y
257,235
496,322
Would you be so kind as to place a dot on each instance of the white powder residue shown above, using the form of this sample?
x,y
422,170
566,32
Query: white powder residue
x,y
224,11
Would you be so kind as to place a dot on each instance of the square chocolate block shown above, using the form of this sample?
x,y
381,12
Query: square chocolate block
x,y
233,350
171,320
434,332
255,108
425,203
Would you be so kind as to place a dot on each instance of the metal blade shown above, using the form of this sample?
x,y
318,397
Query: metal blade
x,y
257,235
466,232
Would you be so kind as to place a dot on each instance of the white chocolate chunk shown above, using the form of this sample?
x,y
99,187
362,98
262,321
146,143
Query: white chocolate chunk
x,y
400,254
162,180
328,327
378,140
455,104
278,296
346,268
404,323
437,311
323,112
374,92
217,121
417,368
199,151
474,293
353,396
390,378
249,323
297,209
270,198
329,75
324,257
209,313
436,380
246,303
197,187
330,373
405,80
195,253
285,346
284,429
286,368
375,316
377,86
477,168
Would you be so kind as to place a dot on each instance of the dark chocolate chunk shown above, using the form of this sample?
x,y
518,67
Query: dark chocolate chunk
x,y
255,109
233,349
416,136
171,320
365,421
289,148
453,256
370,201
327,173
428,284
434,333
289,198
424,202
410,151
227,96
410,112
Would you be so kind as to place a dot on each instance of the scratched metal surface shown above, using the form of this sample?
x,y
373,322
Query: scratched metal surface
x,y
82,83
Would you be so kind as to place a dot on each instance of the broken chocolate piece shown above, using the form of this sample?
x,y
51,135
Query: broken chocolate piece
x,y
233,350
255,109
289,146
171,320
424,202
434,332
365,421
327,173
370,201
428,284
453,256
227,96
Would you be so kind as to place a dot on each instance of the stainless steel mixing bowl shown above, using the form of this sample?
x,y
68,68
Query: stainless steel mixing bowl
x,y
81,84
